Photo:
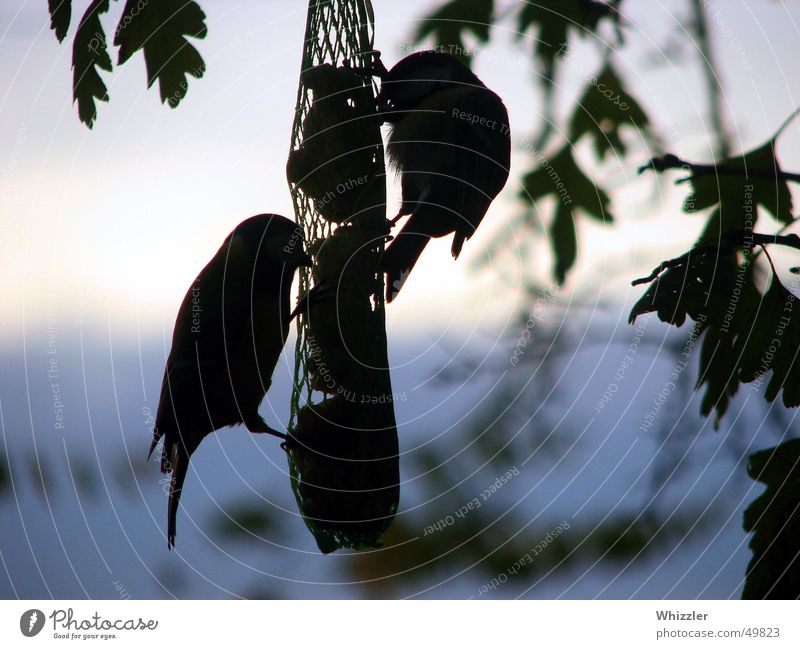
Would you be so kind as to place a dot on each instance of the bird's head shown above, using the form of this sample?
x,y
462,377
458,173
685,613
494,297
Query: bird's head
x,y
275,239
416,78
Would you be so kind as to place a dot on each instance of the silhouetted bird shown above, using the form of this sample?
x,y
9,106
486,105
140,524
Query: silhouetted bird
x,y
451,143
229,333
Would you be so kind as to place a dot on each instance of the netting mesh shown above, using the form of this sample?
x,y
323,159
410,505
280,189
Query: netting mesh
x,y
337,32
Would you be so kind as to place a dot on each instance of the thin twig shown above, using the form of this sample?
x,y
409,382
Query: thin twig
x,y
713,82
730,240
671,161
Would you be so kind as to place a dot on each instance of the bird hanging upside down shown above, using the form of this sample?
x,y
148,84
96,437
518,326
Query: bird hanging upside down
x,y
229,333
451,143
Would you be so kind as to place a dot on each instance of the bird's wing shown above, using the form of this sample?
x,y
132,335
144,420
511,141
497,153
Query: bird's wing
x,y
454,152
209,325
484,143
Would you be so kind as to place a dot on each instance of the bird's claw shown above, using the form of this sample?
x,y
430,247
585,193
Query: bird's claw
x,y
390,223
375,68
312,296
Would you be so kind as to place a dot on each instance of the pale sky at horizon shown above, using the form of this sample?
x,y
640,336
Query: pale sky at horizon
x,y
120,219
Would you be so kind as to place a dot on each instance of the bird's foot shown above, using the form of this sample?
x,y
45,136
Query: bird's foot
x,y
375,68
314,295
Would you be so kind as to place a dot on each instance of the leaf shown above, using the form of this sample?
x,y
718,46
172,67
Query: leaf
x,y
774,520
733,303
564,241
5,473
552,19
738,189
563,178
774,345
747,334
603,109
684,290
60,15
245,521
89,52
717,371
159,28
448,24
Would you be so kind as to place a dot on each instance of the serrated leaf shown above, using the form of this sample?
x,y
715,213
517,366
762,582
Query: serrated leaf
x,y
89,52
717,371
60,16
552,19
732,305
737,195
774,520
159,29
573,190
448,24
683,290
775,345
562,177
603,109
747,334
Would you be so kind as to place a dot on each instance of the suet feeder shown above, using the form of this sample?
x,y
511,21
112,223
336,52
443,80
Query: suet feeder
x,y
343,439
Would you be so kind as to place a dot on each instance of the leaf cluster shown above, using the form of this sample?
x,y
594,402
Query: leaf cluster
x,y
749,333
774,520
159,28
604,111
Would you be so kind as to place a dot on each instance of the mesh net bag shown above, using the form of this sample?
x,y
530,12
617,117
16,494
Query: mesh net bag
x,y
343,448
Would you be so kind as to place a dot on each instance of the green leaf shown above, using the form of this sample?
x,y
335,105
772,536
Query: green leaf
x,y
562,177
573,190
734,302
451,21
60,15
744,183
773,345
603,109
717,371
564,241
5,473
747,334
160,28
684,290
245,521
552,19
89,52
774,520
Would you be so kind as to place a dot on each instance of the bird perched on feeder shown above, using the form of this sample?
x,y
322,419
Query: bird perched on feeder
x,y
230,330
451,144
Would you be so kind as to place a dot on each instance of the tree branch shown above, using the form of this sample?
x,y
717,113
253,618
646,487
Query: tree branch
x,y
671,161
730,240
713,82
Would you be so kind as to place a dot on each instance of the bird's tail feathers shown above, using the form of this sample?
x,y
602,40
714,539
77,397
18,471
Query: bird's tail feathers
x,y
399,259
180,465
154,443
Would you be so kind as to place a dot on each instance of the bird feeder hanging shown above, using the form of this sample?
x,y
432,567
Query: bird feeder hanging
x,y
343,450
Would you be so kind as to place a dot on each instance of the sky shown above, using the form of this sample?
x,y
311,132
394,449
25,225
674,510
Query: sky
x,y
103,231
117,220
